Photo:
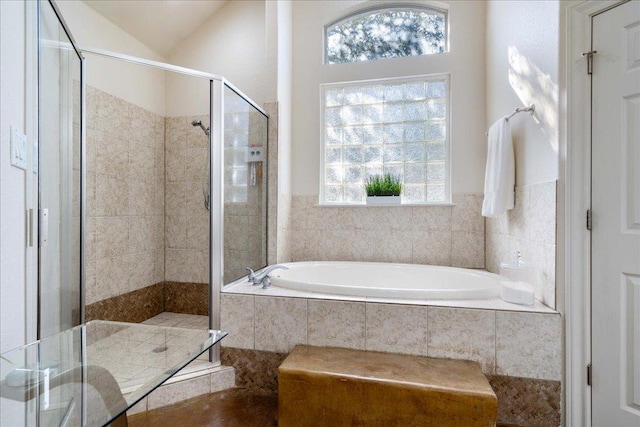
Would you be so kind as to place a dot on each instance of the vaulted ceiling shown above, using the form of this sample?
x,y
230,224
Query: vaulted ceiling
x,y
159,24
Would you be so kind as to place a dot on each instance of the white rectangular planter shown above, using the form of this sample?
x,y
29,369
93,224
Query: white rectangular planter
x,y
383,200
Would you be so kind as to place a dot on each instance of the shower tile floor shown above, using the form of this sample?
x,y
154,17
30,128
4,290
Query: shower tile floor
x,y
179,320
127,355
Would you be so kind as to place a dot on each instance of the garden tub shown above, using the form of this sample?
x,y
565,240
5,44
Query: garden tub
x,y
387,280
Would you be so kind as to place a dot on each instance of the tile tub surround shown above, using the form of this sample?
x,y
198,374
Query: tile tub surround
x,y
531,229
125,197
255,370
519,344
519,351
527,402
437,235
521,401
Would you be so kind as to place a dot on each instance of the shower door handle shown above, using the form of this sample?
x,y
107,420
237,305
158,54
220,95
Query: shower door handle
x,y
43,227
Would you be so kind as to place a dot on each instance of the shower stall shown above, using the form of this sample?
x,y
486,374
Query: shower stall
x,y
153,177
176,203
151,195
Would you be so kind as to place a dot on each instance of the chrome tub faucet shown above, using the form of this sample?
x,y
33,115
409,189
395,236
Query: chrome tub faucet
x,y
263,277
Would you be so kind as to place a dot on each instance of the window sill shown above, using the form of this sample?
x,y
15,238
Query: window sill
x,y
363,205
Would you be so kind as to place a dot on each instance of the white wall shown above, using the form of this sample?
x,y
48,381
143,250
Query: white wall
x,y
139,85
465,62
12,180
232,43
522,68
284,94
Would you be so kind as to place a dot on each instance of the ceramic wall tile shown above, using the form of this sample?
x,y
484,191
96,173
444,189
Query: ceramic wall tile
x,y
336,323
280,323
396,328
111,236
529,229
499,248
112,155
431,218
467,213
111,196
175,163
198,232
467,249
141,162
237,314
432,247
393,246
463,334
142,197
381,233
143,233
542,227
175,264
175,198
176,231
299,215
529,345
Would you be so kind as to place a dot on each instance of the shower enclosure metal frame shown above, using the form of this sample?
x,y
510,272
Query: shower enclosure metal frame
x,y
216,175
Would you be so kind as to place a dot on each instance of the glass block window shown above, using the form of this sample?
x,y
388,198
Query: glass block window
x,y
386,32
391,126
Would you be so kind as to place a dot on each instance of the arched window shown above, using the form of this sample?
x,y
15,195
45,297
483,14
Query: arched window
x,y
386,32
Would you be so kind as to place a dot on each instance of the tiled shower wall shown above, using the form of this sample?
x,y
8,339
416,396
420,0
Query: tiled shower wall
x,y
531,229
437,235
186,218
125,197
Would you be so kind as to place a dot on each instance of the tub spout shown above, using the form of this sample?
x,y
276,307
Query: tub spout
x,y
263,277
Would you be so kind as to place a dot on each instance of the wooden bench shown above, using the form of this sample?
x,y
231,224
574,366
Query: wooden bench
x,y
320,386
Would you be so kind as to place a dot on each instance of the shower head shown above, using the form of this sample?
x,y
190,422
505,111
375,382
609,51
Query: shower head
x,y
199,123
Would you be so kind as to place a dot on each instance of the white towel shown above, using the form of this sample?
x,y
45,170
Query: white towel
x,y
500,175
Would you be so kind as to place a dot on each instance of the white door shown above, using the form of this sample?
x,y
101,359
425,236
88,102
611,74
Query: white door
x,y
616,217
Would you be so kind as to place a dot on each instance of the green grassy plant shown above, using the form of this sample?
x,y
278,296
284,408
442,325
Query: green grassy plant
x,y
383,185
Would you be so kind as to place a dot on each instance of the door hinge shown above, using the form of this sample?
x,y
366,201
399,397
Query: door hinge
x,y
589,219
589,374
589,56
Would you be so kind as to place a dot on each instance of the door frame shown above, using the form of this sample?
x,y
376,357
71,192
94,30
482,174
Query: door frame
x,y
574,199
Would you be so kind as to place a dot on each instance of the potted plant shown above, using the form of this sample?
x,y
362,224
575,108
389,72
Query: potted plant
x,y
383,189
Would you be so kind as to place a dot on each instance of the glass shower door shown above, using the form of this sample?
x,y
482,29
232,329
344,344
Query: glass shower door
x,y
59,175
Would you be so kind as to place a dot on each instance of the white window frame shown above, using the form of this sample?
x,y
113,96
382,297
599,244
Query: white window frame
x,y
381,8
395,80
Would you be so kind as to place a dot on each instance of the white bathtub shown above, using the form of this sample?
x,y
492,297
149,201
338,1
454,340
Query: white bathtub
x,y
385,280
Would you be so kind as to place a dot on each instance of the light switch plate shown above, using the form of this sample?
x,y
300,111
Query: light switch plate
x,y
18,149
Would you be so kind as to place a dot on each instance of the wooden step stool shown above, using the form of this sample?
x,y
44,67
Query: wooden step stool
x,y
331,387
